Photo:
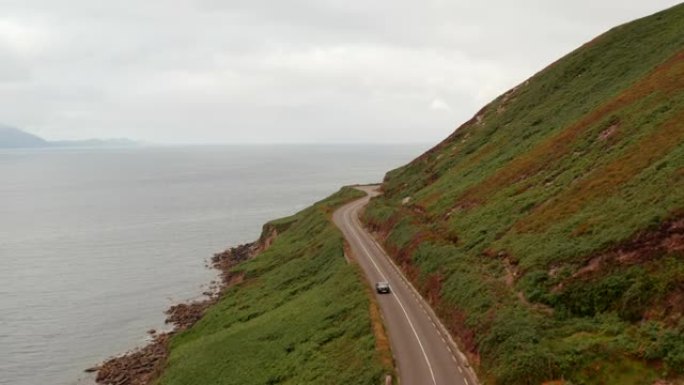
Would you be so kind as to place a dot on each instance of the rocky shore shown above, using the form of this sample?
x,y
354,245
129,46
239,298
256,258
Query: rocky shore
x,y
141,366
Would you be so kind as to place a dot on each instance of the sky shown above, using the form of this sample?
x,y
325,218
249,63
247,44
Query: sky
x,y
278,71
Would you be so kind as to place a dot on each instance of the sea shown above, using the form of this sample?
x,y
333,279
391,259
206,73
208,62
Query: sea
x,y
96,243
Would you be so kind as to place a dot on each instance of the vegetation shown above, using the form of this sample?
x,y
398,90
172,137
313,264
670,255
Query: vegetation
x,y
300,315
548,231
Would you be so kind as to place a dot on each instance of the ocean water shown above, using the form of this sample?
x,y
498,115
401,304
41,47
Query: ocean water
x,y
96,244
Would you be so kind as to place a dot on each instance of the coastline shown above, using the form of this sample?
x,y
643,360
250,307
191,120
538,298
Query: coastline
x,y
298,305
144,364
108,278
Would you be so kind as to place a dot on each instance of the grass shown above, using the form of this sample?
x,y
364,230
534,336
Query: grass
x,y
505,213
301,316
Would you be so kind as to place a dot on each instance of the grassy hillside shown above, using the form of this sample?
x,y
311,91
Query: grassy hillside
x,y
300,315
548,231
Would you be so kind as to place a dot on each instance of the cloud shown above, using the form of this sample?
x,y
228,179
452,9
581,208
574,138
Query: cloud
x,y
19,37
184,71
439,104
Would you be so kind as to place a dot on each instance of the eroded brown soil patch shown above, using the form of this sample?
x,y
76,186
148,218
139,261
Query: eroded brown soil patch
x,y
643,247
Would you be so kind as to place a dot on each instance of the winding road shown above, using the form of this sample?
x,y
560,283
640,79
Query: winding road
x,y
423,350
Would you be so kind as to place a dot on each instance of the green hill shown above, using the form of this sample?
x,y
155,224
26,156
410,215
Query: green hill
x,y
548,231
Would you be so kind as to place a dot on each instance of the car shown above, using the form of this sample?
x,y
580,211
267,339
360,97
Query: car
x,y
382,287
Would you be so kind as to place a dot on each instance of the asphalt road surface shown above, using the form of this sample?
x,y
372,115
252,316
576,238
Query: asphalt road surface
x,y
424,352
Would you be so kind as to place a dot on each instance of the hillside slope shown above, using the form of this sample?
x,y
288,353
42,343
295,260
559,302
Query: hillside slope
x,y
548,231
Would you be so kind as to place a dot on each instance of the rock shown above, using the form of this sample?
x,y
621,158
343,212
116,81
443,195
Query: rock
x,y
142,366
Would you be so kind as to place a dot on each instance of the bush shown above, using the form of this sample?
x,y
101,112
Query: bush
x,y
531,364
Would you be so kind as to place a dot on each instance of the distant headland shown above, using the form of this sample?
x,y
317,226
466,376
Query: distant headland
x,y
11,137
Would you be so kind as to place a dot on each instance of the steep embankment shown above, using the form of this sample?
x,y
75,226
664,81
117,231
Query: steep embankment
x,y
295,314
548,231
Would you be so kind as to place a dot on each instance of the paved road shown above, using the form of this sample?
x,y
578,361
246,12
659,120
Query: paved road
x,y
423,351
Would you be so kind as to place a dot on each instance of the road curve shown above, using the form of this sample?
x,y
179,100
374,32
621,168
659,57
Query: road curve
x,y
423,351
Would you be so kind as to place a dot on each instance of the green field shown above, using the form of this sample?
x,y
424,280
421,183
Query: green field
x,y
549,229
301,315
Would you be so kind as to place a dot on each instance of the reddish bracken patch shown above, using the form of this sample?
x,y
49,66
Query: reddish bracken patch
x,y
674,243
432,288
606,180
456,323
644,246
666,79
662,382
670,310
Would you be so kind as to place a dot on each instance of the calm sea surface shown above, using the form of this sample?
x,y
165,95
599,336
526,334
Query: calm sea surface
x,y
96,244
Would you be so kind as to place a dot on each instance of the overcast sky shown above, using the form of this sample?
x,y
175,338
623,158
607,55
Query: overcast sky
x,y
221,71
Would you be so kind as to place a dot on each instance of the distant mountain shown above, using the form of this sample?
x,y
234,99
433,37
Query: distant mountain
x,y
119,142
11,137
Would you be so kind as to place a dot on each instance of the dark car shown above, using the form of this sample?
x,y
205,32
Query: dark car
x,y
382,287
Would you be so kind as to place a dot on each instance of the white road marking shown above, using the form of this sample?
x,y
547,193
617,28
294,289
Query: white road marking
x,y
395,271
370,257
